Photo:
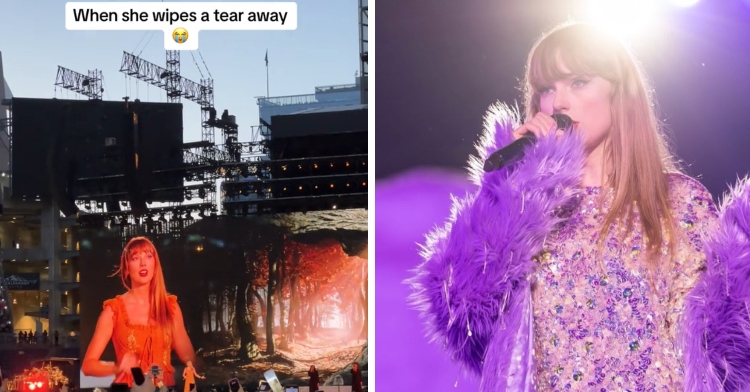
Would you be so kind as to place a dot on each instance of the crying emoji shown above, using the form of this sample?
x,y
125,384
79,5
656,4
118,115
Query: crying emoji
x,y
180,35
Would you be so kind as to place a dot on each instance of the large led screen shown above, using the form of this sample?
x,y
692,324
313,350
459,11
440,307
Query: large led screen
x,y
234,296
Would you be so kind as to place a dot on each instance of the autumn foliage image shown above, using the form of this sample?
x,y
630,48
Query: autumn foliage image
x,y
318,301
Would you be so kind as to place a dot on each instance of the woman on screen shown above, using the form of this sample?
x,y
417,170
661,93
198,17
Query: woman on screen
x,y
145,324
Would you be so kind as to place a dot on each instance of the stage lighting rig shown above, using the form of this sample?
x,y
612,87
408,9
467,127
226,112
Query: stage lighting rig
x,y
158,221
299,185
90,86
175,85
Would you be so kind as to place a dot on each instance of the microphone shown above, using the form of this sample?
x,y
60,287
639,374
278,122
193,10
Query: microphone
x,y
515,151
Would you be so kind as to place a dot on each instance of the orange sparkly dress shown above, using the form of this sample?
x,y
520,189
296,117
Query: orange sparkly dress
x,y
151,344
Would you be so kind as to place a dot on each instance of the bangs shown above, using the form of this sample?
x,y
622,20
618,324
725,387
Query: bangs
x,y
141,246
567,51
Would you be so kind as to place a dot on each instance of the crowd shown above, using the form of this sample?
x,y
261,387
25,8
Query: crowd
x,y
29,337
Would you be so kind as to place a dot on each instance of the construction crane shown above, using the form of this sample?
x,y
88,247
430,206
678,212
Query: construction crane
x,y
89,85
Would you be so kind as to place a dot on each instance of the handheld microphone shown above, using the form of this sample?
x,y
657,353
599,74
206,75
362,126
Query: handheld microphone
x,y
515,151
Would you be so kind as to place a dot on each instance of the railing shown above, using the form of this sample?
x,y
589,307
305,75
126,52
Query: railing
x,y
287,100
325,89
299,100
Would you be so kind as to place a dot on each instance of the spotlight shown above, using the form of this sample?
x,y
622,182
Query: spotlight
x,y
622,18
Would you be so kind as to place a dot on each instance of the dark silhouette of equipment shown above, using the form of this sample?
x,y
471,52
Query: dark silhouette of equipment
x,y
96,151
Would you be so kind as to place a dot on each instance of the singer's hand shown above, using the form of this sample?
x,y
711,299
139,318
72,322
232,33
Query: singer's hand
x,y
128,362
540,125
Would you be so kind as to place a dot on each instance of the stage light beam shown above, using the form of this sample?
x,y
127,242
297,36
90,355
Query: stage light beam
x,y
624,18
684,3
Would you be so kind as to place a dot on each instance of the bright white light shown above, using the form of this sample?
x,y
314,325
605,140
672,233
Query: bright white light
x,y
625,18
685,3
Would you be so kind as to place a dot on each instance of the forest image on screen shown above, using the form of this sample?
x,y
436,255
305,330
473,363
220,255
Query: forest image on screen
x,y
282,292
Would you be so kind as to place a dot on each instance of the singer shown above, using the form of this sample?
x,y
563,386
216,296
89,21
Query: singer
x,y
583,266
145,324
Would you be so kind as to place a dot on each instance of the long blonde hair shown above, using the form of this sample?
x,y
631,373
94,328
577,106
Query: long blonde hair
x,y
636,151
160,310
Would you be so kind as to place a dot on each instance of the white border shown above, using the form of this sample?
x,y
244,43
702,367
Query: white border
x,y
371,196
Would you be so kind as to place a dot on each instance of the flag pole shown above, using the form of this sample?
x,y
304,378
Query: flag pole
x,y
268,94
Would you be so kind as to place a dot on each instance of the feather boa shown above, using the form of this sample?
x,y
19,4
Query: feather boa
x,y
717,330
472,288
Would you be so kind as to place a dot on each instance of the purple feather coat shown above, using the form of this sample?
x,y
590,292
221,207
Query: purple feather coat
x,y
474,292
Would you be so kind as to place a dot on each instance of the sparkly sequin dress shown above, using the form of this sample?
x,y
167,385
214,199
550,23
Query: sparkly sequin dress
x,y
599,323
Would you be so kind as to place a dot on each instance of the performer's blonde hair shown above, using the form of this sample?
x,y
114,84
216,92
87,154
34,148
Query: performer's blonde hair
x,y
637,156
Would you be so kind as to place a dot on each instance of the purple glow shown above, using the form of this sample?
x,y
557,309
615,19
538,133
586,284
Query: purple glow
x,y
408,206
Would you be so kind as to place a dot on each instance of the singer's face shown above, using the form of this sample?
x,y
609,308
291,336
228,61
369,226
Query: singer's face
x,y
141,265
586,99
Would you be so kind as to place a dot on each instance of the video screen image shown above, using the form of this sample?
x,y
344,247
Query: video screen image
x,y
234,297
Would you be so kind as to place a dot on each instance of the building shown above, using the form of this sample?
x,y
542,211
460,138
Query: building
x,y
38,257
323,97
5,93
39,268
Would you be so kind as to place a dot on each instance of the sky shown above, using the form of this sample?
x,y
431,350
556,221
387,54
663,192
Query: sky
x,y
324,50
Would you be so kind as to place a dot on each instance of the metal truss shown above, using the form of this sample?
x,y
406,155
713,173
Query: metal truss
x,y
89,85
